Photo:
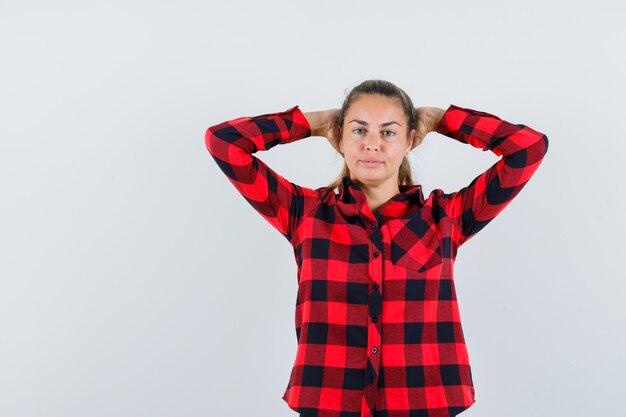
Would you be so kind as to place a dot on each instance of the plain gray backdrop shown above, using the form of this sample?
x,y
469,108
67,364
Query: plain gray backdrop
x,y
136,281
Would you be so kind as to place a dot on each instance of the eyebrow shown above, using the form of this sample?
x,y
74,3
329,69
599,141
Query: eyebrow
x,y
367,124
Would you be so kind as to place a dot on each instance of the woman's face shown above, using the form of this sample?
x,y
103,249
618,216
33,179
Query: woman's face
x,y
374,140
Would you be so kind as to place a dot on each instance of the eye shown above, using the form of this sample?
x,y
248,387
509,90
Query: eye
x,y
355,130
390,131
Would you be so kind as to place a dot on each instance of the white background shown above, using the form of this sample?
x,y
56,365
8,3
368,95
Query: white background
x,y
136,281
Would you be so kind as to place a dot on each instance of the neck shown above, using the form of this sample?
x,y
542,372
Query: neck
x,y
379,194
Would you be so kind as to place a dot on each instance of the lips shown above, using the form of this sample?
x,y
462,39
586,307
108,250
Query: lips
x,y
372,162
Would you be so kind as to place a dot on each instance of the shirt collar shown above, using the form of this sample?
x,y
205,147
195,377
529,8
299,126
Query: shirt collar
x,y
351,193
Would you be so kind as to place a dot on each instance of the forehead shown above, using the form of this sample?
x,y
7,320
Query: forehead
x,y
375,109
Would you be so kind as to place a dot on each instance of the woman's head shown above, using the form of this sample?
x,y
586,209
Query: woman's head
x,y
376,123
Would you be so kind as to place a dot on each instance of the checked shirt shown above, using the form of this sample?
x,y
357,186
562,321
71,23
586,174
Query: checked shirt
x,y
377,321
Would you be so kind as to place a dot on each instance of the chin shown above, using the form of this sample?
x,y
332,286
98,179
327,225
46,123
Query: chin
x,y
370,176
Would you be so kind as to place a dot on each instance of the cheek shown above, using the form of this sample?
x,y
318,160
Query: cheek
x,y
350,152
397,160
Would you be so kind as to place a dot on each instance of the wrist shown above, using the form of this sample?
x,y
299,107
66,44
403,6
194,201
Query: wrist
x,y
436,114
316,122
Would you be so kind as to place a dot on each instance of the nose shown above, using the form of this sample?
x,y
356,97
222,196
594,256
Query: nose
x,y
372,141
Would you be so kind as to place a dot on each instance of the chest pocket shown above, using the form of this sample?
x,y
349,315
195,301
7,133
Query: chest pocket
x,y
415,245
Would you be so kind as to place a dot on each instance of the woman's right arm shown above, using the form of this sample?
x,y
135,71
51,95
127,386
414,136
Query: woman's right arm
x,y
324,123
232,145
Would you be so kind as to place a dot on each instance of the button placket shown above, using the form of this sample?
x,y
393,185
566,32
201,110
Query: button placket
x,y
375,296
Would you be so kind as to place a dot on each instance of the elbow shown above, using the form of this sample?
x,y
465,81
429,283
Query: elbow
x,y
210,140
535,153
538,151
545,144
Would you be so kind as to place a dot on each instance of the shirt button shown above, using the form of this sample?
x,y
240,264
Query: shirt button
x,y
375,319
372,227
375,286
376,254
374,349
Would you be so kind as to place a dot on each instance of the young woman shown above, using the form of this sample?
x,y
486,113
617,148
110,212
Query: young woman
x,y
377,320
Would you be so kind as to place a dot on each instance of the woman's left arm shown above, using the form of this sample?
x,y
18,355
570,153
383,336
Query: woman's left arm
x,y
522,148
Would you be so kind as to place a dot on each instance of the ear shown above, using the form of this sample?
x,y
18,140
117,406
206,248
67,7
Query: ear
x,y
412,140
